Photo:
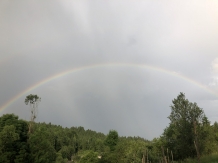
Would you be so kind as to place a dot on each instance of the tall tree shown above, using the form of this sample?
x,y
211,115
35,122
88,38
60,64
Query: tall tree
x,y
33,101
112,139
183,135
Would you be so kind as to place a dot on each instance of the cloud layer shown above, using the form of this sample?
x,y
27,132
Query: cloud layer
x,y
41,39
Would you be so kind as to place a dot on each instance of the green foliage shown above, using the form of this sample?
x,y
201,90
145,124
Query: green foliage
x,y
60,159
110,157
52,143
66,152
112,139
13,139
89,156
8,136
129,149
42,150
32,99
188,123
212,158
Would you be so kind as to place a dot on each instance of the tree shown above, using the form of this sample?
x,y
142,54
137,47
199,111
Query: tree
x,y
130,150
112,139
60,159
184,134
90,156
8,136
41,149
17,150
33,101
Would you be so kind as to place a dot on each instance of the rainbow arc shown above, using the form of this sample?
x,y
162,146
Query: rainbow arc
x,y
78,69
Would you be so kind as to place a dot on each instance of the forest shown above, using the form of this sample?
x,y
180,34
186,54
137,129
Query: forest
x,y
189,137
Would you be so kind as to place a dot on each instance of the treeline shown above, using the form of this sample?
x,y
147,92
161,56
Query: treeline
x,y
189,135
49,143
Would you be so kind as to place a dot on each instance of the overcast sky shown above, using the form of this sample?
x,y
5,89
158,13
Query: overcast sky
x,y
176,41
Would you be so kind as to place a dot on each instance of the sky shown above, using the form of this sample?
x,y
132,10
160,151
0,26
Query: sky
x,y
108,64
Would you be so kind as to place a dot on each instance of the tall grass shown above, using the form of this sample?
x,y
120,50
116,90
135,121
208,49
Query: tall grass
x,y
213,158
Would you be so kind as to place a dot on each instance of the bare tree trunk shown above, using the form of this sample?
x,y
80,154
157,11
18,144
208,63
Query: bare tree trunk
x,y
143,159
198,155
164,157
172,156
147,156
33,108
168,159
196,143
29,126
32,101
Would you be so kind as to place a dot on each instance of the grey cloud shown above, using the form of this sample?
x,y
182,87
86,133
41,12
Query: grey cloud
x,y
41,39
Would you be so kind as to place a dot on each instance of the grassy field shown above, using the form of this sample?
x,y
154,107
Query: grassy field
x,y
213,158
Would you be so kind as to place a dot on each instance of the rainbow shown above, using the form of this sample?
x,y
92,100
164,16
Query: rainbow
x,y
78,69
